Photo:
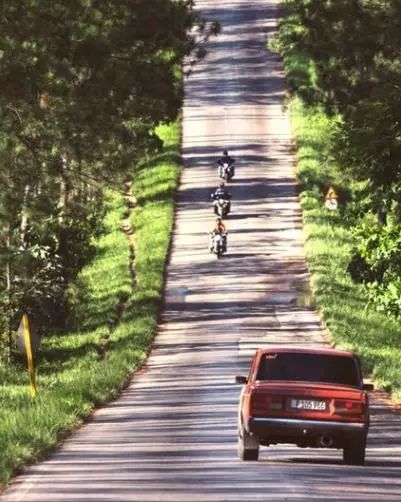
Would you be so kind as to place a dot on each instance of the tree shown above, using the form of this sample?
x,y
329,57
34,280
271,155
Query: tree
x,y
356,72
353,49
83,83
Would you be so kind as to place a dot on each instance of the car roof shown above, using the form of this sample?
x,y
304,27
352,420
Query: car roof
x,y
305,350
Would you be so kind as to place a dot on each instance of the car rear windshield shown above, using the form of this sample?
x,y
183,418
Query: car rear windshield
x,y
309,368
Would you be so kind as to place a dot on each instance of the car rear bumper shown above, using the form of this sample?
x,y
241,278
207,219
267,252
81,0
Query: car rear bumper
x,y
298,428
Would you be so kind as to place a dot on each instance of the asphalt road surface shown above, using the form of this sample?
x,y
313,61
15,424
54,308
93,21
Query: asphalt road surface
x,y
172,434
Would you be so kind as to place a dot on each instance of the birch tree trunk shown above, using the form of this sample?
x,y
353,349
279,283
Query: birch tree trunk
x,y
64,187
25,217
9,294
126,225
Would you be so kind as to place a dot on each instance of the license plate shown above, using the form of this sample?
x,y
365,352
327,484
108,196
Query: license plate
x,y
308,404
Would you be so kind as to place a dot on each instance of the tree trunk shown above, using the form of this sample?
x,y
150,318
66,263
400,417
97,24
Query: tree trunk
x,y
126,226
64,187
64,200
24,217
9,295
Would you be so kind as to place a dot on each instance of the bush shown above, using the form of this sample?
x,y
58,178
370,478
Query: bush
x,y
376,262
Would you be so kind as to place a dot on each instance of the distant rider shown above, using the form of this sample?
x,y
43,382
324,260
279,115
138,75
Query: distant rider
x,y
226,159
221,193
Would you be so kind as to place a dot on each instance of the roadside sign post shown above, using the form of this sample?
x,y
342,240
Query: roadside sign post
x,y
29,354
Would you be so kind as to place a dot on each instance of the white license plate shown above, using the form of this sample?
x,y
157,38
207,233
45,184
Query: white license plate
x,y
308,404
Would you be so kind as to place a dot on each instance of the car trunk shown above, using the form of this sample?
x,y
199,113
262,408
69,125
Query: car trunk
x,y
307,400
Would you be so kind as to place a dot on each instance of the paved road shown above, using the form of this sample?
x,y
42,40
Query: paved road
x,y
172,435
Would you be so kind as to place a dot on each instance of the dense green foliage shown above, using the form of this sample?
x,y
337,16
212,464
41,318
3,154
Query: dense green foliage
x,y
349,65
88,367
83,84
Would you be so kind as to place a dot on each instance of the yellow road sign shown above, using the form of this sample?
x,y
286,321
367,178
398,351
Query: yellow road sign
x,y
331,194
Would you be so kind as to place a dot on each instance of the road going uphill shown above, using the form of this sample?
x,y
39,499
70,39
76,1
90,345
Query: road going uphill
x,y
172,434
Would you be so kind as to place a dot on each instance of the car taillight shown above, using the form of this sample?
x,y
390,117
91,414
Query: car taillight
x,y
347,407
264,402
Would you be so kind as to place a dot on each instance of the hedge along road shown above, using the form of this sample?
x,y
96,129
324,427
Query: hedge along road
x,y
172,434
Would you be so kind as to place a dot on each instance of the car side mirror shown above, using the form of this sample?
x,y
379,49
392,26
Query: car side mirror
x,y
241,379
368,387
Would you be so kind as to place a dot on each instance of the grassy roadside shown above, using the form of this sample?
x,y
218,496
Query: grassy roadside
x,y
73,377
328,241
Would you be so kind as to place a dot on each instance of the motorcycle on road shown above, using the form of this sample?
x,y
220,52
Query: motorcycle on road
x,y
226,171
221,206
218,243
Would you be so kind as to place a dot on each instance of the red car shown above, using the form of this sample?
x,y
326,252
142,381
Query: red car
x,y
307,397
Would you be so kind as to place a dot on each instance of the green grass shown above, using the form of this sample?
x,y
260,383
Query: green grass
x,y
71,376
328,241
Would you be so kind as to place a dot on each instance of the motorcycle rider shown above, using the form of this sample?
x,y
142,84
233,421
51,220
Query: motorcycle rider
x,y
219,229
221,193
225,159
